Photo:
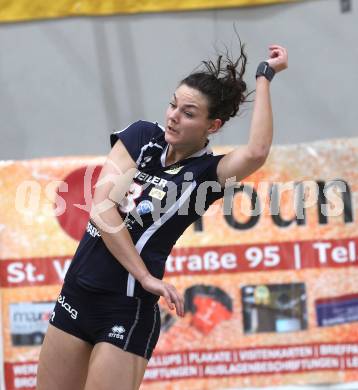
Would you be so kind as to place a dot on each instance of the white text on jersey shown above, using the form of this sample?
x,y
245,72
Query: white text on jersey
x,y
144,177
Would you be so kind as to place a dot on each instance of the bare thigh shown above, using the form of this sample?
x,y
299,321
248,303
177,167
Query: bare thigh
x,y
63,361
111,368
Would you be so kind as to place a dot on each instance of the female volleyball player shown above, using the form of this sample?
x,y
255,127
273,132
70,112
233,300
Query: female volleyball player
x,y
106,321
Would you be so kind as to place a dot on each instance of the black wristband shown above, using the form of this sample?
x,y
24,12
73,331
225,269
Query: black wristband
x,y
264,69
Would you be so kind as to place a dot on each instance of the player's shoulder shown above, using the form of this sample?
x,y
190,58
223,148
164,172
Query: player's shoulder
x,y
154,128
141,125
145,125
139,131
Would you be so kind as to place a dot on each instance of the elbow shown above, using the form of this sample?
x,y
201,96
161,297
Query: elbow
x,y
258,156
100,208
95,215
94,209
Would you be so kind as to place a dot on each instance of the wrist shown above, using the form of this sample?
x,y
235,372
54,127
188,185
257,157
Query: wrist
x,y
265,70
143,277
262,82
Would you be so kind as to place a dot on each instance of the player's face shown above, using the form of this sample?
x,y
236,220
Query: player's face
x,y
187,120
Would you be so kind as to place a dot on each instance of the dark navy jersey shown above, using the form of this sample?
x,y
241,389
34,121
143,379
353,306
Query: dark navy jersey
x,y
161,203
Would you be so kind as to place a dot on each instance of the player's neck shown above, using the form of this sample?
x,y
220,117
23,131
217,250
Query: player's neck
x,y
177,153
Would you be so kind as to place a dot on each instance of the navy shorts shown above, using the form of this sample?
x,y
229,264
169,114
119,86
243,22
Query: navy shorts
x,y
129,323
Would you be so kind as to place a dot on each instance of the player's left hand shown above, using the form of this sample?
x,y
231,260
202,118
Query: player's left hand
x,y
278,58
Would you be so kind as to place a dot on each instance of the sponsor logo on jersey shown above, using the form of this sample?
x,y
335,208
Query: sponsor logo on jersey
x,y
92,230
117,332
67,306
145,178
145,161
145,207
157,193
174,170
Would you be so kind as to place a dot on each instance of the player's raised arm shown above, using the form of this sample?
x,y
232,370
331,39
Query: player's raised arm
x,y
243,161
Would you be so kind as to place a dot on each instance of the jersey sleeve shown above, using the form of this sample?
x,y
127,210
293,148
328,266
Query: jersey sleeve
x,y
134,137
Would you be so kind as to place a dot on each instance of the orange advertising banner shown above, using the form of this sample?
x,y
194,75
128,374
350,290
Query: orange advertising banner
x,y
269,273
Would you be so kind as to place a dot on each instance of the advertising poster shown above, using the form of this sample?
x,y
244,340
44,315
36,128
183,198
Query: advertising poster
x,y
269,274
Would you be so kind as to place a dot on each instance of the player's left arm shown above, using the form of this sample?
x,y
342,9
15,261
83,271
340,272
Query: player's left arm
x,y
243,161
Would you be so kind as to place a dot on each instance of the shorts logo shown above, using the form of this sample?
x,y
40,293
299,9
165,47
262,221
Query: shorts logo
x,y
117,332
67,306
145,207
52,316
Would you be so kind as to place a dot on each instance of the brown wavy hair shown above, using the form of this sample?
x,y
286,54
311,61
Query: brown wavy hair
x,y
222,83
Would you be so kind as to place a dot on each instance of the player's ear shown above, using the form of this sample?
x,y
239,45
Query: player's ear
x,y
215,126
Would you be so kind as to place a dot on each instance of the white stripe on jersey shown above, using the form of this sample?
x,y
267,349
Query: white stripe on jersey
x,y
201,152
130,285
160,126
120,131
144,148
154,227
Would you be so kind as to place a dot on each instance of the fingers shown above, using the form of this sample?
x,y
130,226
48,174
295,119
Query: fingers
x,y
276,51
278,57
277,47
274,54
173,299
156,286
168,300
